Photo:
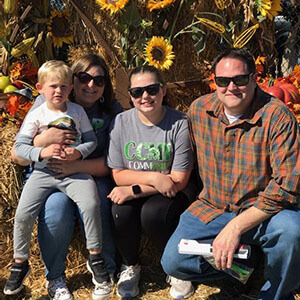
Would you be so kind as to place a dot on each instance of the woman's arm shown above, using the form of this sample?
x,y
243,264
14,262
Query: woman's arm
x,y
120,194
161,182
94,167
180,178
168,185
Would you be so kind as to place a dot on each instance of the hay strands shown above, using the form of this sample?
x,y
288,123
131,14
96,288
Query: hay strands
x,y
97,34
184,83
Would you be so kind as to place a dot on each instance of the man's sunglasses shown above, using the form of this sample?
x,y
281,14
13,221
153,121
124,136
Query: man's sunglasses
x,y
152,89
84,77
238,80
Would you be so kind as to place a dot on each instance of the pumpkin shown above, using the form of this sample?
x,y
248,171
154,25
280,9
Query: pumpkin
x,y
286,92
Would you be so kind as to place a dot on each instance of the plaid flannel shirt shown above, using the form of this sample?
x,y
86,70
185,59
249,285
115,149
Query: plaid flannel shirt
x,y
254,161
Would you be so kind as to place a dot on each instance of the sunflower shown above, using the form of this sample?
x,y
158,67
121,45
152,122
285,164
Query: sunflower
x,y
60,28
112,5
269,8
158,4
158,52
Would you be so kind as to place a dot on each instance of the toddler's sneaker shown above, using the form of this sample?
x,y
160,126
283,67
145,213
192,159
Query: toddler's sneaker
x,y
18,273
58,290
101,279
102,290
128,284
180,289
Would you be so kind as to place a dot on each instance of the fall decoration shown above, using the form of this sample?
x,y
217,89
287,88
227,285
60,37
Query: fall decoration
x,y
112,5
59,27
159,53
269,8
245,36
158,4
214,26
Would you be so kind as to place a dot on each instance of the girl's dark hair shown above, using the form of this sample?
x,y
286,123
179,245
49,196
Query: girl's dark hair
x,y
82,65
152,70
240,54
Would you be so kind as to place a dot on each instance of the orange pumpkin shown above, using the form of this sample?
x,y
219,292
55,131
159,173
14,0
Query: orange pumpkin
x,y
286,92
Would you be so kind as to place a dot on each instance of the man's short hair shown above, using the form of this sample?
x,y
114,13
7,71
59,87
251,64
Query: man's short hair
x,y
56,68
240,54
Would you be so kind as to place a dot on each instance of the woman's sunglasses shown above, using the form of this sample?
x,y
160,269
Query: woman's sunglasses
x,y
152,89
238,80
84,77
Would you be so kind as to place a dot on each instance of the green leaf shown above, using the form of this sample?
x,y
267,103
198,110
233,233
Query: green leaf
x,y
261,18
146,23
199,38
5,44
131,16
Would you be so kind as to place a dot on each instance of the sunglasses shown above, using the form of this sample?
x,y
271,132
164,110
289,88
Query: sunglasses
x,y
151,89
84,77
238,80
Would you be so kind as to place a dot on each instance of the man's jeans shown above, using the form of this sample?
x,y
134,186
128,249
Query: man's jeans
x,y
278,237
56,224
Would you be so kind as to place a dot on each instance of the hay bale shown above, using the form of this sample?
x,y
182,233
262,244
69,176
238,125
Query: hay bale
x,y
153,285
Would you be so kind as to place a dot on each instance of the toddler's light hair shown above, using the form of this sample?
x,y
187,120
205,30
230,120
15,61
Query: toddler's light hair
x,y
55,68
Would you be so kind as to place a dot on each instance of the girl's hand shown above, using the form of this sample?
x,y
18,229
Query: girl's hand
x,y
120,194
165,185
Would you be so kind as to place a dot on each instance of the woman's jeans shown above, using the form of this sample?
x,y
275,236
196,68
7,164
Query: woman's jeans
x,y
278,237
55,228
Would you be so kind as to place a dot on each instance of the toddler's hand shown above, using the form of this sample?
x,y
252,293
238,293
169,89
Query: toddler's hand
x,y
71,153
53,150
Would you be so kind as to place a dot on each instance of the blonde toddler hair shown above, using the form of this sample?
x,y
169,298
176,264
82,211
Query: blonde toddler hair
x,y
54,68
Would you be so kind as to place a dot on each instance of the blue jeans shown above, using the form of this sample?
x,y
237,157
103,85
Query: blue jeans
x,y
56,224
278,237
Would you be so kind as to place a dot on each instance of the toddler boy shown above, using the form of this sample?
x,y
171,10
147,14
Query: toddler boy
x,y
55,83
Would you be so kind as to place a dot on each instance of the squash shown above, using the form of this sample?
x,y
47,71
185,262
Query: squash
x,y
287,92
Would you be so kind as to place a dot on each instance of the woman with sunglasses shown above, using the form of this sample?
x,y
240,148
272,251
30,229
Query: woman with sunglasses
x,y
151,159
93,91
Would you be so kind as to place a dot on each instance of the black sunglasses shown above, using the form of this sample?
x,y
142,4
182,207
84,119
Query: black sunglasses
x,y
152,89
84,77
238,80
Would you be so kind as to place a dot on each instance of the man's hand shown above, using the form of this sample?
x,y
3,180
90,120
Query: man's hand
x,y
120,194
228,239
224,246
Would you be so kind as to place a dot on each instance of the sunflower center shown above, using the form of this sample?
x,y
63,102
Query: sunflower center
x,y
158,54
60,26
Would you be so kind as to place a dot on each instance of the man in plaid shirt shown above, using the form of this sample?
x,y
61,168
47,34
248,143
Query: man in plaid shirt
x,y
248,153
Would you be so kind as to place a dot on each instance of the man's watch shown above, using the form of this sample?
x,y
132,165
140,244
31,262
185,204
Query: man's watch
x,y
136,189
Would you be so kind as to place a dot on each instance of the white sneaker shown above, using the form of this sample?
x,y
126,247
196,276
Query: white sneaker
x,y
128,284
58,290
102,291
180,289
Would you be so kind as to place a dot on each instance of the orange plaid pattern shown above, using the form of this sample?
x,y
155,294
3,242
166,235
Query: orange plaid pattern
x,y
252,162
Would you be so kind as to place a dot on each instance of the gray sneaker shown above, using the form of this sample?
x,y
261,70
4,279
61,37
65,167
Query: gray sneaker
x,y
102,291
180,289
58,290
128,284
